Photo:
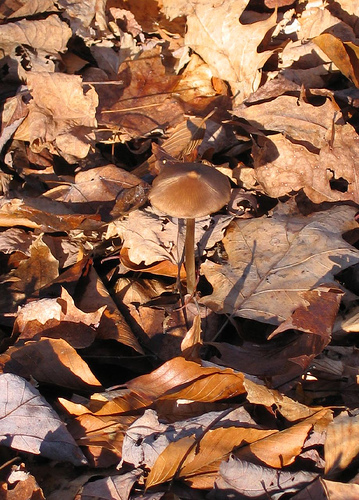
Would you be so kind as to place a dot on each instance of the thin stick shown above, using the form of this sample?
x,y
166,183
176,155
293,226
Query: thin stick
x,y
190,262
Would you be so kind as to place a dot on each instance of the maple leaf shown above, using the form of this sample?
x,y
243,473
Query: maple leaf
x,y
272,261
228,46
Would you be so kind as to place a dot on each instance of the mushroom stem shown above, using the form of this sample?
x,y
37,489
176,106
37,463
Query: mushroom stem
x,y
190,262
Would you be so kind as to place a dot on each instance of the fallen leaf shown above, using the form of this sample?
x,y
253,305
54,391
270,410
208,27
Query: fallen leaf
x,y
254,481
182,379
340,446
100,188
225,44
281,449
52,361
61,121
29,424
111,488
303,122
272,262
50,34
344,54
58,318
188,457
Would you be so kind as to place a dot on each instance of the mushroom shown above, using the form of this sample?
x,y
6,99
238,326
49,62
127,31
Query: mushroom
x,y
187,191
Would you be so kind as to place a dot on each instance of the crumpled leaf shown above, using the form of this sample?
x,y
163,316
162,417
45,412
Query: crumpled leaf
x,y
58,318
28,423
61,115
282,167
229,47
272,262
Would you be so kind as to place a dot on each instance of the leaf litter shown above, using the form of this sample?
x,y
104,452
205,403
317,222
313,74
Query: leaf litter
x,y
115,382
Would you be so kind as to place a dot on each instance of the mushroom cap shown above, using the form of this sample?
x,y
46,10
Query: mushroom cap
x,y
189,190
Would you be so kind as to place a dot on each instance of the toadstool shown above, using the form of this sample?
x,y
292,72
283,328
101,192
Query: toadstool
x,y
187,191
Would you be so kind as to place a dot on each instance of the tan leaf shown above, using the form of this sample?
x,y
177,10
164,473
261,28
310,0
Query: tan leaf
x,y
50,34
344,54
281,449
61,116
271,262
58,318
193,336
97,186
299,120
112,324
229,47
188,460
170,460
341,445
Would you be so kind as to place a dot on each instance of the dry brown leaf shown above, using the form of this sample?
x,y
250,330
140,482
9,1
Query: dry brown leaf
x,y
322,489
52,361
303,122
272,261
281,449
282,166
193,336
112,324
100,190
229,47
145,102
186,459
289,409
28,423
49,35
61,115
179,378
22,8
344,54
341,445
150,237
23,485
58,318
31,274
